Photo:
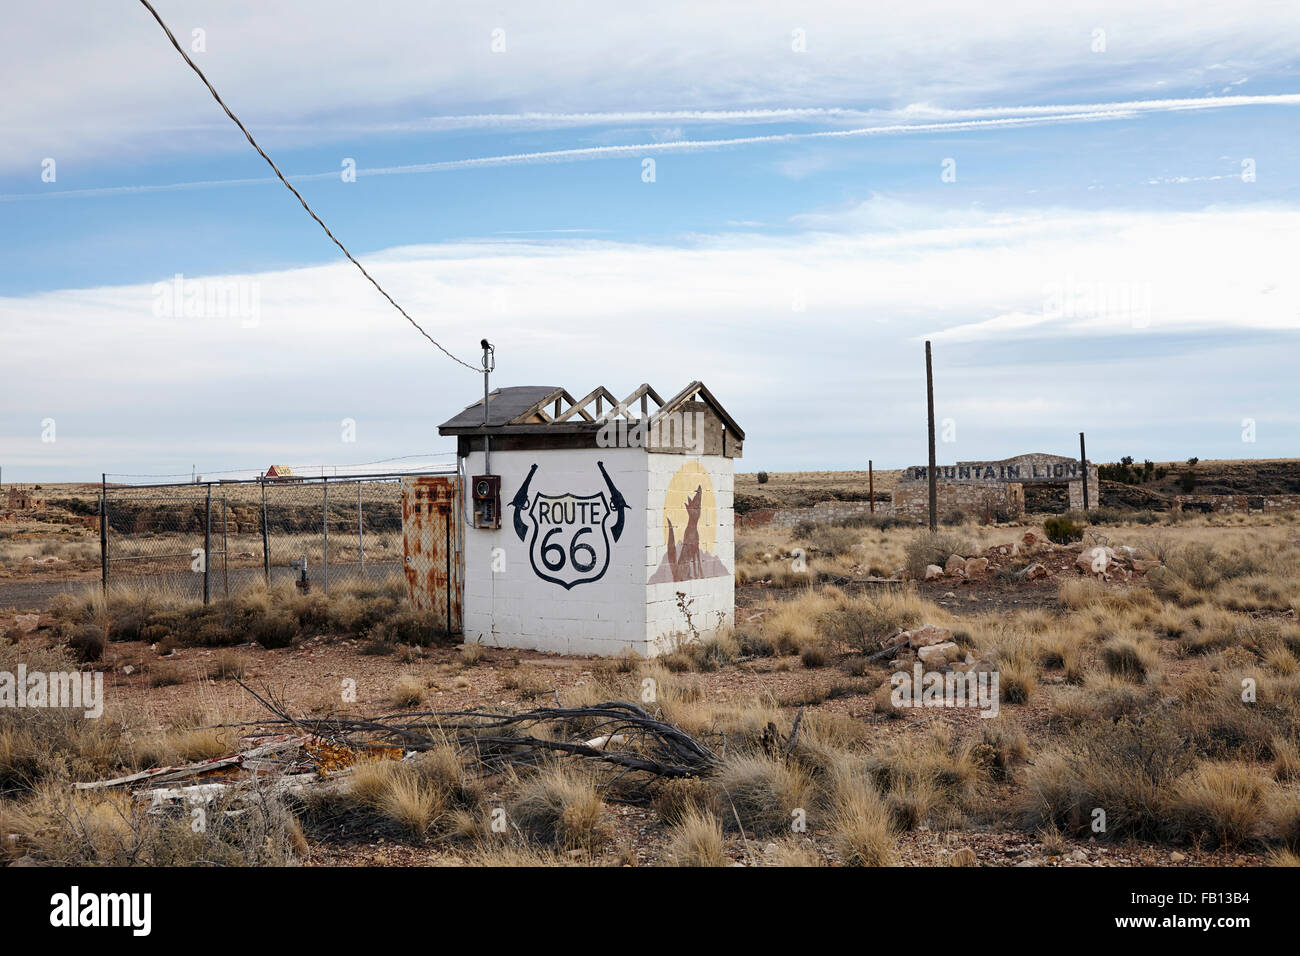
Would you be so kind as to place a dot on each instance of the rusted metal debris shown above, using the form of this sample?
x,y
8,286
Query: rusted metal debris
x,y
277,763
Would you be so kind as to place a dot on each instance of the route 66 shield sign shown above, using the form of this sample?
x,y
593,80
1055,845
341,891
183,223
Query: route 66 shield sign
x,y
570,538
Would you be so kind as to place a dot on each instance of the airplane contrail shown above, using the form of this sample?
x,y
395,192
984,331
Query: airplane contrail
x,y
971,120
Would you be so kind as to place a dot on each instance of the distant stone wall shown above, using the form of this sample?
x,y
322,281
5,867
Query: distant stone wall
x,y
823,511
1236,504
992,488
996,500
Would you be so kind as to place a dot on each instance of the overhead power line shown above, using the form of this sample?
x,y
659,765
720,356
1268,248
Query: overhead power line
x,y
261,152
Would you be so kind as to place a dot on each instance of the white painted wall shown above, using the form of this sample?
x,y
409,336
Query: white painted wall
x,y
514,607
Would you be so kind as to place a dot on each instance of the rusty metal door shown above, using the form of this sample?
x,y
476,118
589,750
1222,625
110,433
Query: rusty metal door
x,y
431,545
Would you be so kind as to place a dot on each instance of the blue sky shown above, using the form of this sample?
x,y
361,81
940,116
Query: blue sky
x,y
1111,250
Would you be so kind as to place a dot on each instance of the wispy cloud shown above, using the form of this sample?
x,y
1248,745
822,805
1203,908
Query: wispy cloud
x,y
1020,117
1045,286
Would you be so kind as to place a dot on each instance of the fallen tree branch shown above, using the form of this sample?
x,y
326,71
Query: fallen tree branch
x,y
644,742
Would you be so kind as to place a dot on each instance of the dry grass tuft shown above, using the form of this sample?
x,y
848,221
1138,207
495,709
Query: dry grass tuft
x,y
761,794
697,840
559,805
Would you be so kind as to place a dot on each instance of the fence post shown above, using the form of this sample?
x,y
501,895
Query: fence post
x,y
325,546
361,545
103,532
266,550
207,546
225,546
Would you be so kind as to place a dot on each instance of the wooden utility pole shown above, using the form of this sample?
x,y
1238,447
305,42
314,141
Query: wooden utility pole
x,y
930,472
1083,464
871,488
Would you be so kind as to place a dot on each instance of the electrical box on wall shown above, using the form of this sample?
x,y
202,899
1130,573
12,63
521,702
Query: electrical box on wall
x,y
487,501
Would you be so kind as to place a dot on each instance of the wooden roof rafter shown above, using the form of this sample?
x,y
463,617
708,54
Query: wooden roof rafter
x,y
689,392
600,394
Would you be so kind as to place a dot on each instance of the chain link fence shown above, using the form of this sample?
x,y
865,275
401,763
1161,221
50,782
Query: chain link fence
x,y
210,540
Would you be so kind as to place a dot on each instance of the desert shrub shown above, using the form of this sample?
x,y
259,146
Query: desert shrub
x,y
861,821
697,840
932,547
707,654
86,642
862,622
753,642
762,477
274,629
832,541
1129,657
1001,748
880,522
1102,697
111,829
1062,530
1222,804
560,805
421,628
227,665
1127,769
813,657
676,796
924,776
527,682
953,518
760,794
165,675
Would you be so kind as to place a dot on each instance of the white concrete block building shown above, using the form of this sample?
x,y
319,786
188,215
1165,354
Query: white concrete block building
x,y
614,529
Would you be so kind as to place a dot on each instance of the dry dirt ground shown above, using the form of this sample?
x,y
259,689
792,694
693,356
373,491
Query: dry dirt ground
x,y
310,677
311,674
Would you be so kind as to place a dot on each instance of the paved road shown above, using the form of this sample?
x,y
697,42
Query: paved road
x,y
36,594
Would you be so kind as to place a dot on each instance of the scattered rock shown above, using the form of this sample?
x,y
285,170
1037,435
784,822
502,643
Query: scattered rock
x,y
1030,539
1093,561
938,653
26,622
956,564
1078,856
1177,857
927,635
976,566
933,572
1033,572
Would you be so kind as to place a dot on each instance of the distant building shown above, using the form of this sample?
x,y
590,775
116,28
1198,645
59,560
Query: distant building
x,y
279,471
21,499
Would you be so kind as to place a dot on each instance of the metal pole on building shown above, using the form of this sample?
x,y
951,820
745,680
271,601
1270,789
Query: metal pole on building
x,y
325,549
207,546
103,532
871,488
489,363
1083,463
266,543
930,472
